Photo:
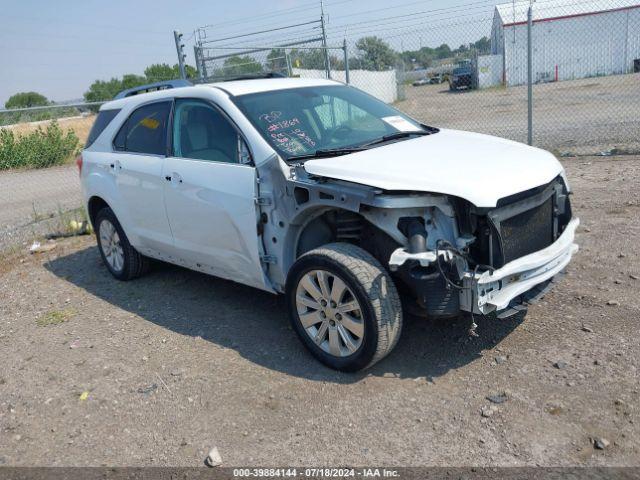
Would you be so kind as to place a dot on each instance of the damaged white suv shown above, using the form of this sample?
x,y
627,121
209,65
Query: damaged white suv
x,y
317,190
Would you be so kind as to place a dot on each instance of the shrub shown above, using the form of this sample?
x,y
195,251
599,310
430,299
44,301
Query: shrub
x,y
38,149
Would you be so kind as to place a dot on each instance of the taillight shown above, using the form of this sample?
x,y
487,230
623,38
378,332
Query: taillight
x,y
79,164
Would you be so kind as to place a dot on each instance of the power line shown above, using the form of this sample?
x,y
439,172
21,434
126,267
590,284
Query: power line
x,y
367,27
249,22
263,31
423,27
275,13
292,35
477,4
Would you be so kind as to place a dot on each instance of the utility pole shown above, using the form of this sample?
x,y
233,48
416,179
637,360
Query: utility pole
x,y
346,62
324,41
529,76
177,36
199,55
196,54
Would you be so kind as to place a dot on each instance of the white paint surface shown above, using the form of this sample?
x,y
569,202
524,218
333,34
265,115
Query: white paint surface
x,y
478,168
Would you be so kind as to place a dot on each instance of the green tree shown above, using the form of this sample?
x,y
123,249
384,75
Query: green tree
x,y
277,60
159,72
483,45
240,65
102,90
443,51
422,58
26,100
188,69
374,54
131,80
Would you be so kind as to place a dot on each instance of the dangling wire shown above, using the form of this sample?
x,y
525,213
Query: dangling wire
x,y
453,250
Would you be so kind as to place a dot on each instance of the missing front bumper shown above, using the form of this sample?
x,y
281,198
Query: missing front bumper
x,y
493,291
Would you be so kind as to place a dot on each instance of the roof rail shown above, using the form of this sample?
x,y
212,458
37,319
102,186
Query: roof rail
x,y
254,76
153,87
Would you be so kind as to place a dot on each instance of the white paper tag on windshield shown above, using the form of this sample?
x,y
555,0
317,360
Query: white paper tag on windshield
x,y
401,124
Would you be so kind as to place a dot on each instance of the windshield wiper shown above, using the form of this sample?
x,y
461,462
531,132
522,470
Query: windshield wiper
x,y
327,152
335,152
395,136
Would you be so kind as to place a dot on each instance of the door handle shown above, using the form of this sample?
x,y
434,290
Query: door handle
x,y
173,178
115,165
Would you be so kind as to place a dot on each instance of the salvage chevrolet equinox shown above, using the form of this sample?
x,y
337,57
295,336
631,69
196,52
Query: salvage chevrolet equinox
x,y
319,191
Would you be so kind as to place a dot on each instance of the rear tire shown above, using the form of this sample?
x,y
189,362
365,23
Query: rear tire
x,y
355,319
122,260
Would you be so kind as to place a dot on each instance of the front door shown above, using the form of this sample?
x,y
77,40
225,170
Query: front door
x,y
210,195
142,147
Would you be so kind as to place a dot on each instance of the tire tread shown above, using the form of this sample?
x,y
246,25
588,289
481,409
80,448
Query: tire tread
x,y
375,280
136,264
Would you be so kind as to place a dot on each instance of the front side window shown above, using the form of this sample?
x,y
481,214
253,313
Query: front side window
x,y
301,121
202,132
145,131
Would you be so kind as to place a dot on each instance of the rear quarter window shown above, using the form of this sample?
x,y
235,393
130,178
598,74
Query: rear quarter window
x,y
102,120
145,131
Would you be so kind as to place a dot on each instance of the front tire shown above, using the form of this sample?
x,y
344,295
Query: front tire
x,y
344,306
121,259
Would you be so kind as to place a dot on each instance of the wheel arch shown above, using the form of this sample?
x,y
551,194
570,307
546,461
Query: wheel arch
x,y
94,205
321,225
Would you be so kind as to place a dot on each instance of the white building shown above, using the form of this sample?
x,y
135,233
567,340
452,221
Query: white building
x,y
571,39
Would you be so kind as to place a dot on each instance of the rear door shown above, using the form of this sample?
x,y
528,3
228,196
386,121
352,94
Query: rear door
x,y
141,144
210,191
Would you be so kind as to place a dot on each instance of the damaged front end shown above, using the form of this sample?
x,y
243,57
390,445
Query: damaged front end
x,y
485,260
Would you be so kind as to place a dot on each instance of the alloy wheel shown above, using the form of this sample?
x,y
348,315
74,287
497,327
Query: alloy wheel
x,y
111,246
330,313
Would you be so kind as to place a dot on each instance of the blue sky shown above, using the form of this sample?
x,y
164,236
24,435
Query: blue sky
x,y
58,47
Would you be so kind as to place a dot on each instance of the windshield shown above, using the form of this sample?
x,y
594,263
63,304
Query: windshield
x,y
461,70
303,121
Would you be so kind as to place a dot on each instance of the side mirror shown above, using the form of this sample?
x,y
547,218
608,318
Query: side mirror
x,y
244,155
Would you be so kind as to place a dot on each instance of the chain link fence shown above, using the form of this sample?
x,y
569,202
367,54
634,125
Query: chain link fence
x,y
563,74
585,81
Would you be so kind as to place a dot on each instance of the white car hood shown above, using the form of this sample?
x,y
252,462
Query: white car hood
x,y
476,167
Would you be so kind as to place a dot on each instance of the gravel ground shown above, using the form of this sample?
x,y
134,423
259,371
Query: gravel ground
x,y
157,371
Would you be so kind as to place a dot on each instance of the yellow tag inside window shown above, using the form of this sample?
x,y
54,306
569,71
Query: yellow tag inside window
x,y
151,123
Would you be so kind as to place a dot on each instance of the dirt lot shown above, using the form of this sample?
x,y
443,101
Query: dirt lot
x,y
580,116
157,371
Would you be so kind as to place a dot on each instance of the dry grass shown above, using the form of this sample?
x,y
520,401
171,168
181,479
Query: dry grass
x,y
80,125
55,317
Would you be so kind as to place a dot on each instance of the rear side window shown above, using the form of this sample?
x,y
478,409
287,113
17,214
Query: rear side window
x,y
102,120
145,131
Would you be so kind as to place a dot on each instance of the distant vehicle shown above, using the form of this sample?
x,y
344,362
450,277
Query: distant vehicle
x,y
434,80
437,79
319,191
461,77
422,81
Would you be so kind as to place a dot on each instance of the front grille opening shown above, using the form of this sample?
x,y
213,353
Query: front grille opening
x,y
527,232
500,239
